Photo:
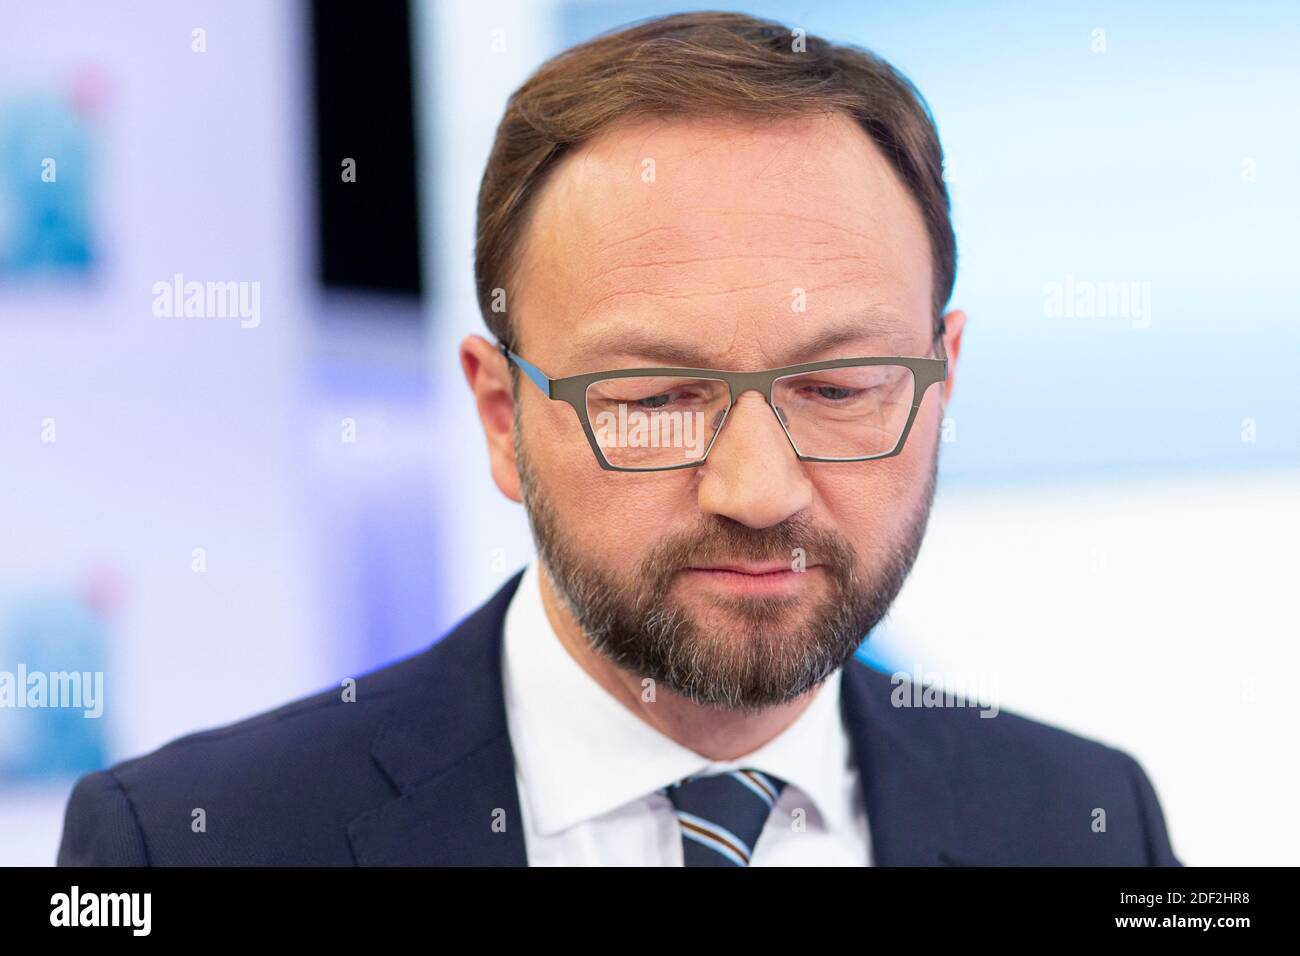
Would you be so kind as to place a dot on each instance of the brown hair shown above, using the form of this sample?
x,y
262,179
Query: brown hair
x,y
691,63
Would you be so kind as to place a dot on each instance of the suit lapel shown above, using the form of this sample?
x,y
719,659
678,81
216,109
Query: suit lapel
x,y
903,762
446,749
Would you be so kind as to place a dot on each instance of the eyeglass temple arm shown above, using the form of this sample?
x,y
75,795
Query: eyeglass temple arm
x,y
939,334
532,371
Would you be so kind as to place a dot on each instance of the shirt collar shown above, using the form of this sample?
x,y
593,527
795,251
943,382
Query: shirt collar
x,y
580,753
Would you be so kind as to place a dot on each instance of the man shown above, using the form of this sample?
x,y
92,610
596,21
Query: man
x,y
715,257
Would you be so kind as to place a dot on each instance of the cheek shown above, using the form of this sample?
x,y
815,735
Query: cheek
x,y
876,500
917,457
863,506
561,460
613,518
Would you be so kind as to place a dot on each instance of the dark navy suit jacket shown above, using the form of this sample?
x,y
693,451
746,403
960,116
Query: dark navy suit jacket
x,y
417,768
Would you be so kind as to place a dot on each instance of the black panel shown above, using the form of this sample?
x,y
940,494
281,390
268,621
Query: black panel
x,y
369,230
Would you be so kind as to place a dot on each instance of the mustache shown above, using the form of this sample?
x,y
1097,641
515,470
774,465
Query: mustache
x,y
726,541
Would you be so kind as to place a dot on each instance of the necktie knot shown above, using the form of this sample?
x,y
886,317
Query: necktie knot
x,y
722,815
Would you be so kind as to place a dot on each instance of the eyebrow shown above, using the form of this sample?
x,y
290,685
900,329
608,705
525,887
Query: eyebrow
x,y
635,341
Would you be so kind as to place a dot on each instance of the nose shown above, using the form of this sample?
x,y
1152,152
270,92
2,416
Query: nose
x,y
752,474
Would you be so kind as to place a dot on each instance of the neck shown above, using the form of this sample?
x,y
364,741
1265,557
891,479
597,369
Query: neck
x,y
713,732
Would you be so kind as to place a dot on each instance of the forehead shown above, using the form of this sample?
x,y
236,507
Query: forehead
x,y
743,239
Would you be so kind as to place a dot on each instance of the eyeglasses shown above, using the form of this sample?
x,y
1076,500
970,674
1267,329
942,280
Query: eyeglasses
x,y
662,419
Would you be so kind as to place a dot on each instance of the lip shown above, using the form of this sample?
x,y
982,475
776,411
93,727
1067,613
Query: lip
x,y
752,579
771,567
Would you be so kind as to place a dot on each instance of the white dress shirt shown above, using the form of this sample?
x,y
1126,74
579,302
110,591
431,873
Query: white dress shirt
x,y
588,769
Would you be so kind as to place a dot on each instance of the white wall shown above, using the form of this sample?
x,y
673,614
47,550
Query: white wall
x,y
1156,615
175,433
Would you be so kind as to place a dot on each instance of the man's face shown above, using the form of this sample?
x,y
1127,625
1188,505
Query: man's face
x,y
722,244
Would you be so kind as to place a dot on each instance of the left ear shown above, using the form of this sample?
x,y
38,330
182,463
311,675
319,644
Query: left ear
x,y
489,379
954,322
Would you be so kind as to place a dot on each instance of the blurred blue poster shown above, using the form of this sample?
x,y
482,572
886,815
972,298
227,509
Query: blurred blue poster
x,y
52,679
46,181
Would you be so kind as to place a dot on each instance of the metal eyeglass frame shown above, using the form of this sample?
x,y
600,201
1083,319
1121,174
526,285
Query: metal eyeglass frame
x,y
573,390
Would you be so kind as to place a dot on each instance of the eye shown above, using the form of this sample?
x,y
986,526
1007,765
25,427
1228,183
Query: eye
x,y
682,395
835,393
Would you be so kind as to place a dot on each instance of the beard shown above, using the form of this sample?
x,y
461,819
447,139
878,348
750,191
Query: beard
x,y
746,653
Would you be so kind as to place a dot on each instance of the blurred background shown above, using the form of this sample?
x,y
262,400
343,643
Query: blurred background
x,y
221,513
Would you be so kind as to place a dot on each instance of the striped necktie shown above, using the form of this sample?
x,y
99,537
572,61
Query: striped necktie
x,y
721,815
